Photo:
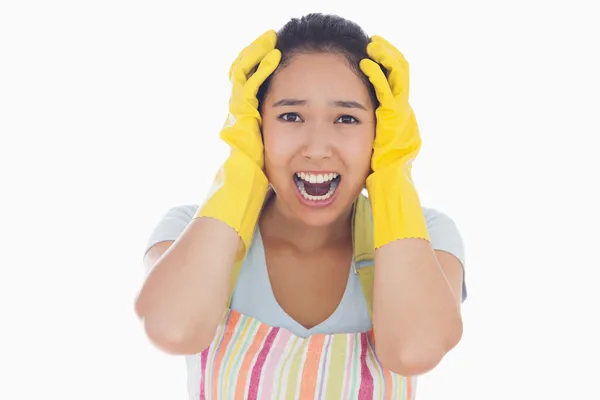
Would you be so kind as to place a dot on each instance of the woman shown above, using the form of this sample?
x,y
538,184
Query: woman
x,y
270,286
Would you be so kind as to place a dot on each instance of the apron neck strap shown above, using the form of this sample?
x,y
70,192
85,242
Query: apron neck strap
x,y
364,248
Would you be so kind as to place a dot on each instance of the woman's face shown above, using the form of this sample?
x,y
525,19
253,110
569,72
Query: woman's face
x,y
318,132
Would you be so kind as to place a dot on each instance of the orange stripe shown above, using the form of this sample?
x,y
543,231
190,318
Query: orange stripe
x,y
389,385
234,317
387,375
244,370
310,370
409,387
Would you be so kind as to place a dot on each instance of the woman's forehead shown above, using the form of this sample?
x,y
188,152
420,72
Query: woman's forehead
x,y
320,75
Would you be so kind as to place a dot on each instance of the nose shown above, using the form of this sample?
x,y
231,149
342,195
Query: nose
x,y
317,145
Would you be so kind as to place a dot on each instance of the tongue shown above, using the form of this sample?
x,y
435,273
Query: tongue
x,y
317,189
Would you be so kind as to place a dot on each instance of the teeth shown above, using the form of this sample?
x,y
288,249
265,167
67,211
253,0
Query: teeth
x,y
318,198
316,178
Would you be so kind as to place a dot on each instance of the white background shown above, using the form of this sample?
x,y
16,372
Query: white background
x,y
109,116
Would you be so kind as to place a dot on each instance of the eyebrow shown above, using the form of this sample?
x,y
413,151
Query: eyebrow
x,y
337,103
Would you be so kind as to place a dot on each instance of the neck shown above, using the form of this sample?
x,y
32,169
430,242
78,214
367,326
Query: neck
x,y
276,223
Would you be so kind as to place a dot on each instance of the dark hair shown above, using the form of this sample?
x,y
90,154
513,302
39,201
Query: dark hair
x,y
321,33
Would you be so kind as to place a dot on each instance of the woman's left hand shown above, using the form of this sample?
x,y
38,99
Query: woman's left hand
x,y
397,212
397,136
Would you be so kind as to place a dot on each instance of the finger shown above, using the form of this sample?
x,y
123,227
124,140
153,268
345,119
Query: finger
x,y
266,67
376,76
269,37
397,54
394,50
251,55
398,79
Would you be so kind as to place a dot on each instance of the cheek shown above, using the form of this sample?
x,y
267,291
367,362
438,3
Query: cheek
x,y
360,149
279,149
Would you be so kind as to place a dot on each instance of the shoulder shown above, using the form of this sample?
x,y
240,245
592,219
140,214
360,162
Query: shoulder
x,y
440,221
177,216
184,211
171,224
445,235
444,232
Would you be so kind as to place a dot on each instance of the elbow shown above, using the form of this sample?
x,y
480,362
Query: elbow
x,y
139,309
411,363
177,341
419,358
172,337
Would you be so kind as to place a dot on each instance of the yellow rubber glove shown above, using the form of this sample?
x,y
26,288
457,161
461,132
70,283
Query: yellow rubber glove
x,y
240,186
396,207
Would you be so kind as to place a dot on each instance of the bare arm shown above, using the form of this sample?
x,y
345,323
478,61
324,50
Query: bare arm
x,y
185,294
184,297
416,307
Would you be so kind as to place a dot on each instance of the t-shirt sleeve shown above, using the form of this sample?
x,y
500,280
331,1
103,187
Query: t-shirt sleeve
x,y
171,225
444,235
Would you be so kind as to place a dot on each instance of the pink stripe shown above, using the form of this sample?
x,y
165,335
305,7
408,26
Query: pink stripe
x,y
203,358
348,374
271,364
366,382
260,361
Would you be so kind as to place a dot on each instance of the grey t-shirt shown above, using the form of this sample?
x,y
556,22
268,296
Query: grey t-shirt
x,y
253,295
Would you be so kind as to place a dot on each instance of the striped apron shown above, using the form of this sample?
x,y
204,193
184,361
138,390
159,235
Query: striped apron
x,y
251,360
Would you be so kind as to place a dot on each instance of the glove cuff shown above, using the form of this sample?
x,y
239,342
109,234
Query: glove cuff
x,y
237,196
395,204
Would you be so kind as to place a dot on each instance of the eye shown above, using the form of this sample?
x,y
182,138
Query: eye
x,y
347,119
290,117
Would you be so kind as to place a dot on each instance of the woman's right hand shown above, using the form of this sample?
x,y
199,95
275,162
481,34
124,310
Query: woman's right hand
x,y
183,298
242,128
240,186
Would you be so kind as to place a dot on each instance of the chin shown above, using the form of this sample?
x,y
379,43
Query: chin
x,y
318,218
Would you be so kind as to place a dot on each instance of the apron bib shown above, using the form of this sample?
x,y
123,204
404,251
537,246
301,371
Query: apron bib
x,y
249,360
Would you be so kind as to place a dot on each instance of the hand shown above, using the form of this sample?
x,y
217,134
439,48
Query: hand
x,y
242,128
397,211
397,134
240,186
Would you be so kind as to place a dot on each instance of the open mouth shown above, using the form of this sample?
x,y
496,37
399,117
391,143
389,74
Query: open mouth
x,y
317,187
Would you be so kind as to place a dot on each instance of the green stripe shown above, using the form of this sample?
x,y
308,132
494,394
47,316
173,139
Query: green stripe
x,y
209,373
283,365
295,371
337,367
241,322
248,338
